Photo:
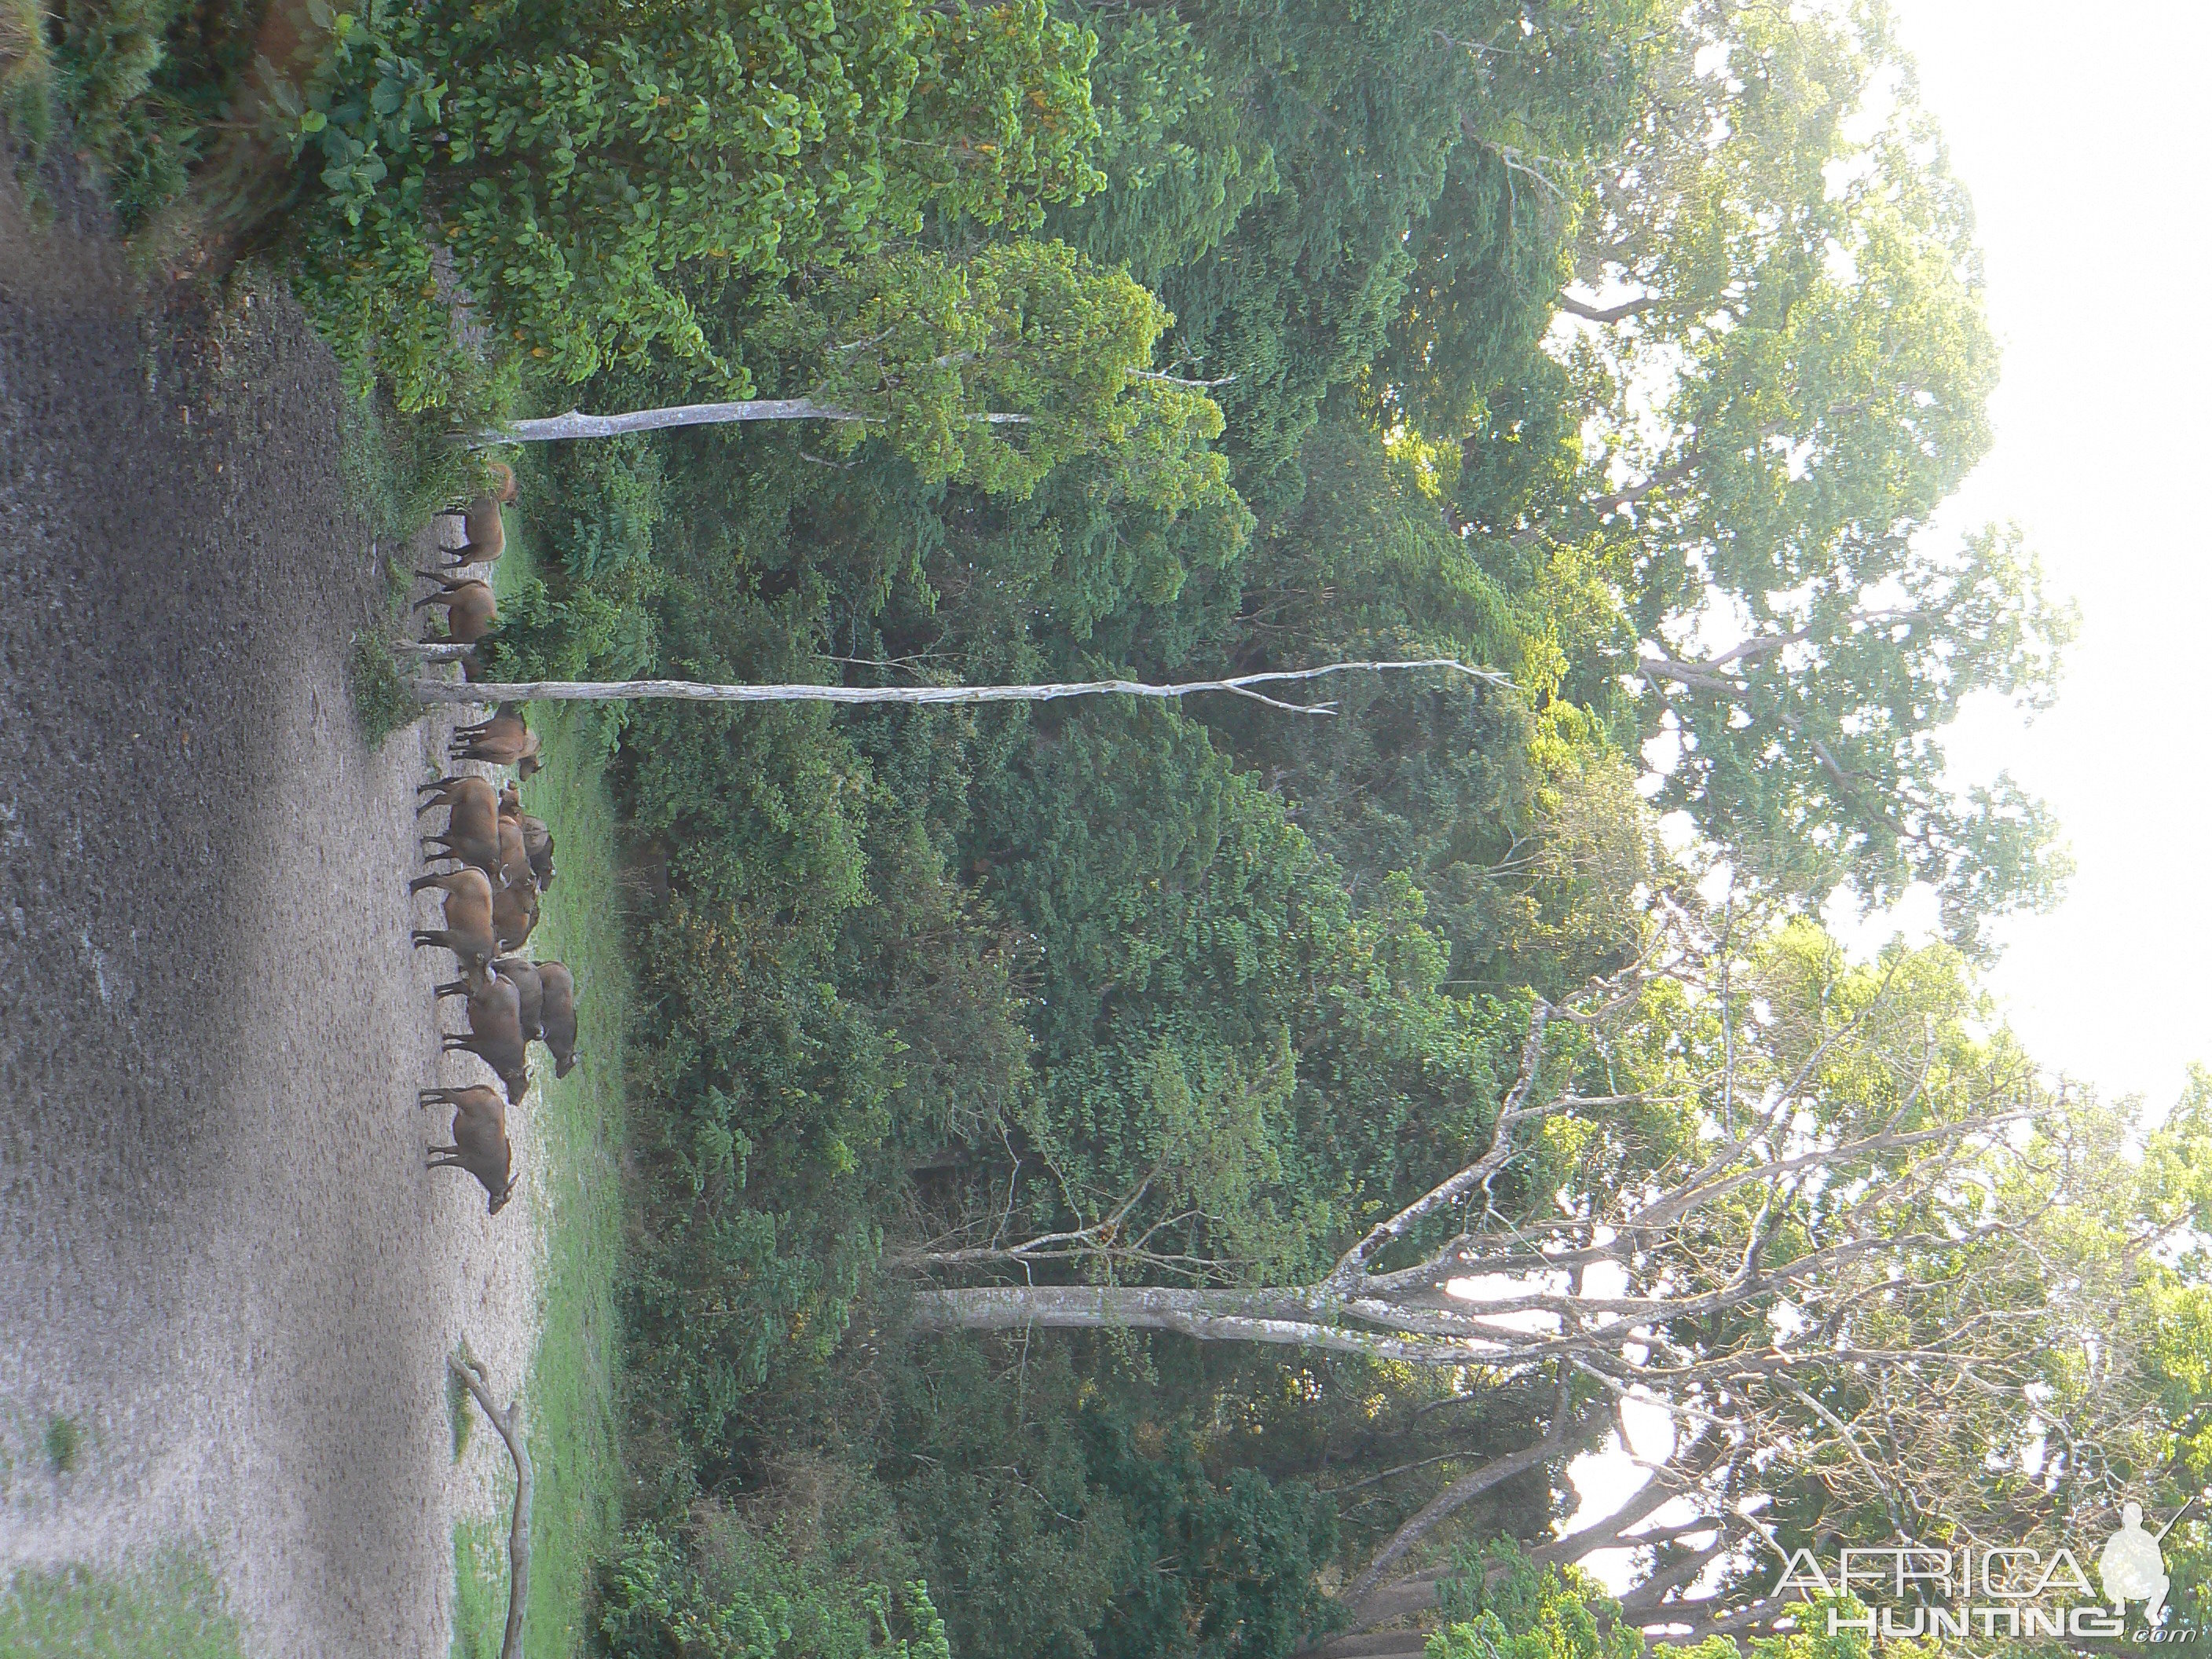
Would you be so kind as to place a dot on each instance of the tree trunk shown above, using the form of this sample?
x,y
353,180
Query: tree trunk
x,y
1093,1307
437,691
577,424
1295,1316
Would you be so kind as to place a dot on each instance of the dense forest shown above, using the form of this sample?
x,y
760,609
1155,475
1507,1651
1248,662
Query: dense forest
x,y
1114,1180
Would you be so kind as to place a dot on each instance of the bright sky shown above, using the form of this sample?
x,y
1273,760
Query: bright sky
x,y
2080,134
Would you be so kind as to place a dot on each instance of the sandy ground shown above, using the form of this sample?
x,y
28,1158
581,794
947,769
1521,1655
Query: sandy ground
x,y
220,1252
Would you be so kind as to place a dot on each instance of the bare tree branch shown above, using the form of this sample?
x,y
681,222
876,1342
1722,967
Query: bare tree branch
x,y
1566,1427
1613,314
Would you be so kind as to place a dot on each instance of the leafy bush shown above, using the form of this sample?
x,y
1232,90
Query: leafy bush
x,y
1209,1000
144,83
580,633
382,703
1245,1551
1501,1606
1061,1505
726,1591
788,1012
110,49
598,171
606,499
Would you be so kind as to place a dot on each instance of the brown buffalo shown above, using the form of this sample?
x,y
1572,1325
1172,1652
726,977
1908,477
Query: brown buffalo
x,y
480,1144
537,839
557,1014
473,826
504,740
515,868
530,989
495,1033
522,972
486,532
513,913
471,612
468,930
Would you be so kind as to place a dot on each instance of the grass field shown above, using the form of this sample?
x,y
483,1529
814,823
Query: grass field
x,y
171,1611
569,1398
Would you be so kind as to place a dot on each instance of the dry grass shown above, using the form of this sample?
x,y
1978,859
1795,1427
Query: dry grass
x,y
22,35
27,74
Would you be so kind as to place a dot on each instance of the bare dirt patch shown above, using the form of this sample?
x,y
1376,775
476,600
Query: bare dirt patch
x,y
221,1261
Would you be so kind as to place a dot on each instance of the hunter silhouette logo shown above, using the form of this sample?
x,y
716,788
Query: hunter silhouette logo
x,y
1993,1590
2133,1566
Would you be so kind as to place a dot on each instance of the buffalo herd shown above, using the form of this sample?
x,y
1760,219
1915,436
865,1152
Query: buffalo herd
x,y
501,859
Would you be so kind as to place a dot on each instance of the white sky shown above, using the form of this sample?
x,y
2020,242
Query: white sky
x,y
2081,132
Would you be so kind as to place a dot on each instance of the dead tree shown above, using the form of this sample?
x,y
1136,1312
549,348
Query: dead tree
x,y
1844,1270
437,691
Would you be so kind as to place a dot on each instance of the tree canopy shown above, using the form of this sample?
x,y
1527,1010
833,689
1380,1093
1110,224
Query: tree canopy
x,y
1112,1178
1777,325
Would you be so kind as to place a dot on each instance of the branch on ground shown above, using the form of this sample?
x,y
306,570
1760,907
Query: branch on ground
x,y
473,1376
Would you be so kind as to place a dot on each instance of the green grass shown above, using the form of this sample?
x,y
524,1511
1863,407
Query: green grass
x,y
398,470
569,1398
381,701
173,1611
479,1589
64,1442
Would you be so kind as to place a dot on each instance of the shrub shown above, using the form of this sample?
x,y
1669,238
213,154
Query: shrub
x,y
610,496
728,1592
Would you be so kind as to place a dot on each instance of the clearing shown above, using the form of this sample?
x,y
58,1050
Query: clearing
x,y
228,1285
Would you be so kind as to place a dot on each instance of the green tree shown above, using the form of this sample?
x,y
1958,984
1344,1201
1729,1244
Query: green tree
x,y
726,1592
1180,164
1030,328
1204,993
596,171
1502,1606
1475,794
992,371
1347,131
1787,365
